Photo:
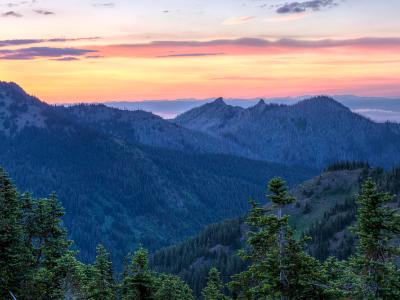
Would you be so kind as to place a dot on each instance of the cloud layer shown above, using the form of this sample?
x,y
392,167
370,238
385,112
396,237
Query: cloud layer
x,y
176,49
245,46
20,42
43,52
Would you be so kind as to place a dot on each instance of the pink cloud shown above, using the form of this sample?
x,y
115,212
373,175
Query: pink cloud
x,y
252,46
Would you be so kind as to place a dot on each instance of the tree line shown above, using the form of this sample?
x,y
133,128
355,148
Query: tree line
x,y
37,261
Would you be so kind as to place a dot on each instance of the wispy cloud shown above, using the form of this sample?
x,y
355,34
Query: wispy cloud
x,y
104,4
20,42
66,58
191,55
11,14
43,52
44,12
301,7
238,20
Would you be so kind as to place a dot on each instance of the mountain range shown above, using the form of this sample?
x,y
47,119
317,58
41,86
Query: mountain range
x,y
314,132
130,177
379,109
119,191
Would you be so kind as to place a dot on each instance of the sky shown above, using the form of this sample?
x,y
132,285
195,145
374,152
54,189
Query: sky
x,y
94,51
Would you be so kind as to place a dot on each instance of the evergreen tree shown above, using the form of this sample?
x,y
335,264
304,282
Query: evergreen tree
x,y
102,284
172,287
48,246
378,226
11,236
139,281
215,288
279,267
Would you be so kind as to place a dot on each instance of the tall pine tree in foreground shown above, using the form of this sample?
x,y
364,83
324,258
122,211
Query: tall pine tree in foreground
x,y
378,226
12,250
279,266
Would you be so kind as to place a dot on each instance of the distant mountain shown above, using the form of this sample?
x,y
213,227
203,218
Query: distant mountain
x,y
118,191
209,117
379,109
148,129
314,132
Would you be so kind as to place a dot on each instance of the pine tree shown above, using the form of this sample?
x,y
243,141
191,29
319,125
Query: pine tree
x,y
377,228
49,246
172,287
11,236
279,267
102,284
215,288
139,281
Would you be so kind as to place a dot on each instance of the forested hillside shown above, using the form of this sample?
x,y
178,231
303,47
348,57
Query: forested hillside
x,y
324,211
36,261
118,192
148,129
314,132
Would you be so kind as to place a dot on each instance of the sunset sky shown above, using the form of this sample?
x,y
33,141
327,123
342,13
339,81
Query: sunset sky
x,y
75,51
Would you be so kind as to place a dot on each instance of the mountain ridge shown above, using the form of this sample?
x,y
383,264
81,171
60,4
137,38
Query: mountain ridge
x,y
316,132
110,185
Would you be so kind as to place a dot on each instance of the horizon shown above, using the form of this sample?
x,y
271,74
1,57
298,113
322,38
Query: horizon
x,y
97,51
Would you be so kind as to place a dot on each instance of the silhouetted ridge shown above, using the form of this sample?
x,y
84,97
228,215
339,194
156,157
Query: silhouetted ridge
x,y
316,131
17,94
319,102
219,101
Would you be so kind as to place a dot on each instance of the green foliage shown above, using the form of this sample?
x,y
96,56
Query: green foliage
x,y
279,267
111,189
139,281
191,260
215,288
377,228
13,252
37,263
102,284
35,260
172,287
323,232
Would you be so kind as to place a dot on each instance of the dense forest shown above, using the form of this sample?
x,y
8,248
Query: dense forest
x,y
118,192
325,211
38,262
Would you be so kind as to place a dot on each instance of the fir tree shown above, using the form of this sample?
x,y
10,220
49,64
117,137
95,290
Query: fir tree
x,y
215,288
378,226
102,284
172,287
139,281
279,267
11,236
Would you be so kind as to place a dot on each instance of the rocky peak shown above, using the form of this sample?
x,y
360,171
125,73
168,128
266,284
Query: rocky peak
x,y
219,101
18,109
